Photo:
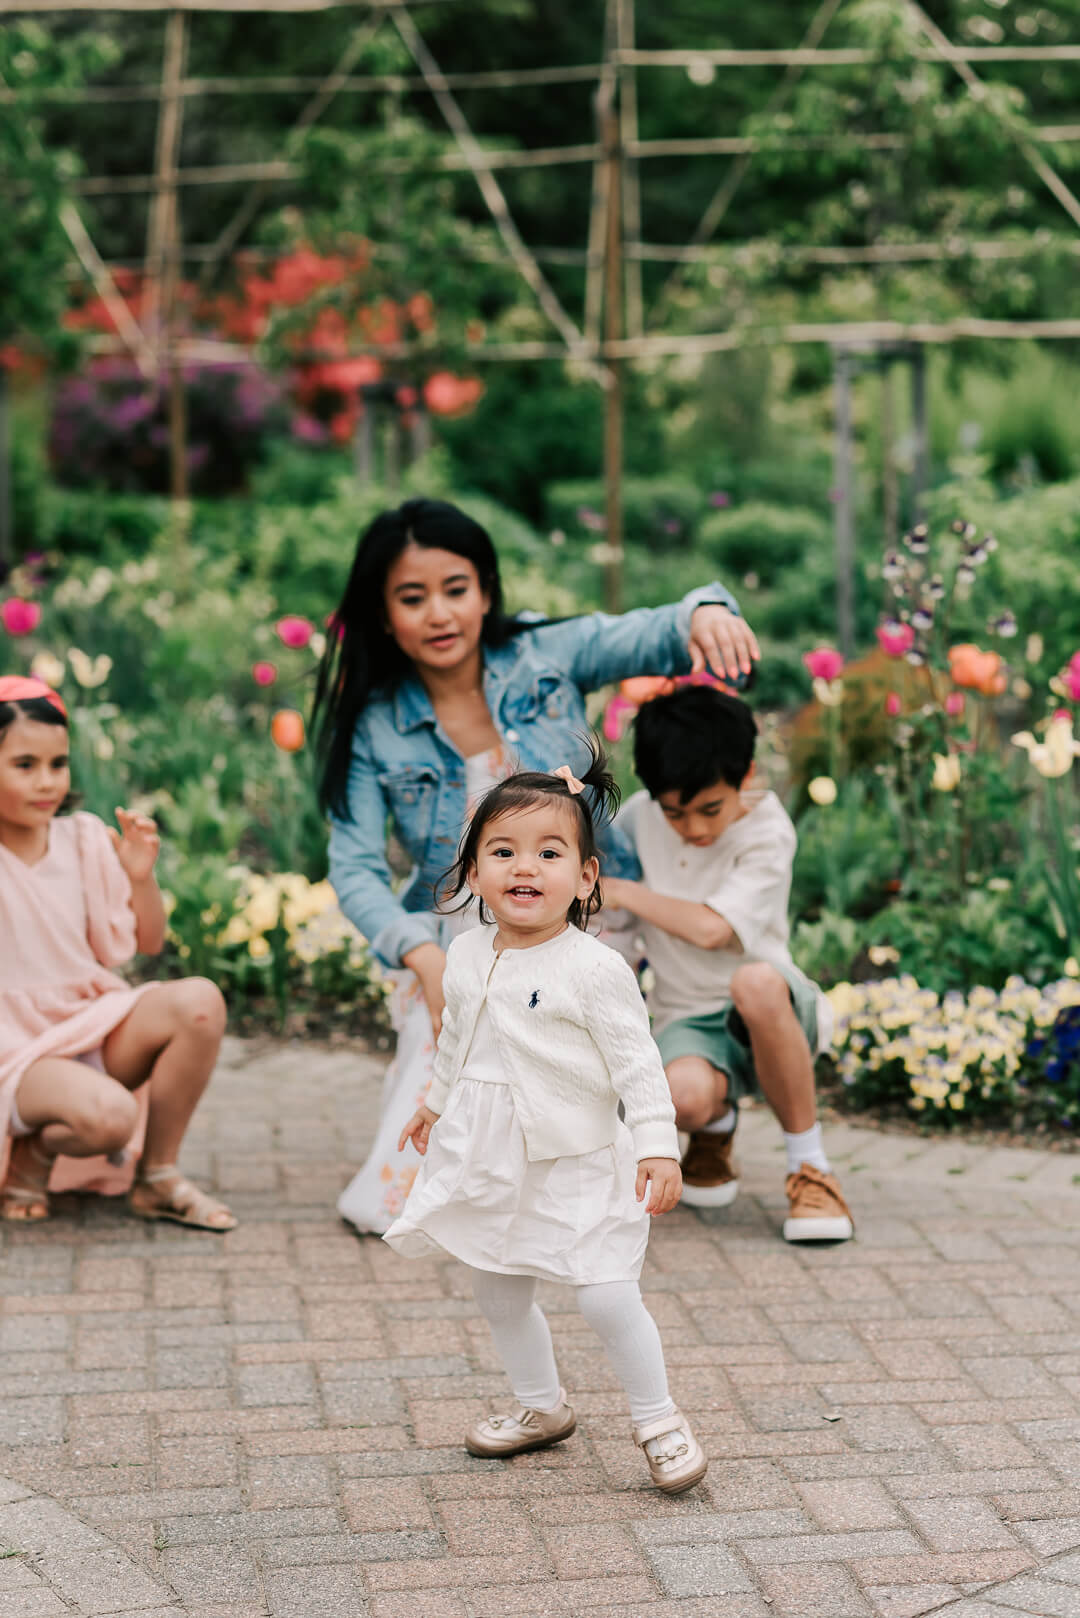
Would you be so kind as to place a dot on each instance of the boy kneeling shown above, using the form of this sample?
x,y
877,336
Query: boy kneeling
x,y
729,1005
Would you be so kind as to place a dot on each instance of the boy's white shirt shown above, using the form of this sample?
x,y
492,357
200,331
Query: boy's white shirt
x,y
745,876
572,1034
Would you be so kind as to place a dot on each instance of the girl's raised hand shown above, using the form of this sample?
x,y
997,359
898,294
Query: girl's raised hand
x,y
418,1129
136,843
665,1177
721,641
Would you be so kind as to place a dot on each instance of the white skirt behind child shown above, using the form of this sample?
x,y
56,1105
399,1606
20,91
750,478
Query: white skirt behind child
x,y
478,1197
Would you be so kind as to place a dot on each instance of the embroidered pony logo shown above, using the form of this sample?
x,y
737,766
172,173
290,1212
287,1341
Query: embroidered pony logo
x,y
535,1000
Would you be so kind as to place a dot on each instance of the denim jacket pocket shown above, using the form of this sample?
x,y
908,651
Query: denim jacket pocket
x,y
549,696
411,795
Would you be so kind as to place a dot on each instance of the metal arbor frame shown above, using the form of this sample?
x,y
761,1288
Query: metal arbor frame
x,y
613,329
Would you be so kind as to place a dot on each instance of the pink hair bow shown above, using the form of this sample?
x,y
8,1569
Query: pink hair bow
x,y
573,785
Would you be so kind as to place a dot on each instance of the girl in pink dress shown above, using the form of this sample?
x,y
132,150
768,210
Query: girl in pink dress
x,y
76,898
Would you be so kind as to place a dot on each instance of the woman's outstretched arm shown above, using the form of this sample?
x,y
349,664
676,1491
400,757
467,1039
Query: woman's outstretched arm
x,y
703,629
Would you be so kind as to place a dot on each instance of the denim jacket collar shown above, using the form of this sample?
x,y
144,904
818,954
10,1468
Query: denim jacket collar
x,y
412,705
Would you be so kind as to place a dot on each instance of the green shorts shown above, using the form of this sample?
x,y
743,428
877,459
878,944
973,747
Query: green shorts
x,y
721,1037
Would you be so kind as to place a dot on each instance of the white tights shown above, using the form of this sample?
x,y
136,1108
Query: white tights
x,y
616,1313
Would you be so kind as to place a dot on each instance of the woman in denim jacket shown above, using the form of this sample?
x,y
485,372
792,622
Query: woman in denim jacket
x,y
428,695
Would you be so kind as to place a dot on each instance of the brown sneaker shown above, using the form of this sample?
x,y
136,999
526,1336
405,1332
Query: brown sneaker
x,y
817,1211
708,1169
520,1430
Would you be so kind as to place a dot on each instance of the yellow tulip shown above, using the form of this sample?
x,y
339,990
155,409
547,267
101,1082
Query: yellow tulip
x,y
946,772
45,666
822,790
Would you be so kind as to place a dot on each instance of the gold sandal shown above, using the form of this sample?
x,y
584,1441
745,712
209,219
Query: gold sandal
x,y
19,1193
186,1204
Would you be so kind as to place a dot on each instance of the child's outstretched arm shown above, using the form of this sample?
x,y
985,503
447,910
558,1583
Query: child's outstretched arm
x,y
619,1024
665,1179
418,1129
444,1068
137,845
689,919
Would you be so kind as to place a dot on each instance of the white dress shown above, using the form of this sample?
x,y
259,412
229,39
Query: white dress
x,y
478,1197
376,1194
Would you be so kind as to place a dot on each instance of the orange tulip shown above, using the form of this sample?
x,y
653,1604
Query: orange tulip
x,y
976,670
287,730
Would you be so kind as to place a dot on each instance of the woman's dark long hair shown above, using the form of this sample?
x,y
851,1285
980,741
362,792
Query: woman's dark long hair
x,y
526,790
360,657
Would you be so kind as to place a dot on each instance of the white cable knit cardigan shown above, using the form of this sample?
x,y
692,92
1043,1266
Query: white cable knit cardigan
x,y
572,1033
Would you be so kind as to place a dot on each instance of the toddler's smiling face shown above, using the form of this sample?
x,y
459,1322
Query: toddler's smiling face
x,y
529,869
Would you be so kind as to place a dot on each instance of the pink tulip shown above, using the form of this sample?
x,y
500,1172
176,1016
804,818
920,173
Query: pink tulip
x,y
895,638
1071,677
20,617
295,632
824,663
893,705
616,718
263,673
954,704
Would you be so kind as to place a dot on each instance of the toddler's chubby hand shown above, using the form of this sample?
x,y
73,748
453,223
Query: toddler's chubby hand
x,y
136,843
418,1129
665,1177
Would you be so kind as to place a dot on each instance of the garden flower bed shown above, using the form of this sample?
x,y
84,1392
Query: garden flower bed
x,y
1006,1059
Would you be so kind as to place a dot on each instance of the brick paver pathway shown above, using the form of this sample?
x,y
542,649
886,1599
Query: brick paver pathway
x,y
270,1424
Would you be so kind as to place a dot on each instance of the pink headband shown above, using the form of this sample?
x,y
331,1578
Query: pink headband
x,y
24,688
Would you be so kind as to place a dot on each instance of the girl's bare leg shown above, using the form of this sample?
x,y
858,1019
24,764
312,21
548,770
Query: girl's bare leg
x,y
171,1038
72,1109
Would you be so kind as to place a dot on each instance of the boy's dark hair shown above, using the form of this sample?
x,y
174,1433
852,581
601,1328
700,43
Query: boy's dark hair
x,y
526,790
691,739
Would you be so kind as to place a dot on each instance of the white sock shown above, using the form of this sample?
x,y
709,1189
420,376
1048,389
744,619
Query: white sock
x,y
724,1125
806,1148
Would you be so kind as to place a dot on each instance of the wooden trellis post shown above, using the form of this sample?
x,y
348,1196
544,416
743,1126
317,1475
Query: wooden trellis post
x,y
7,537
843,496
613,392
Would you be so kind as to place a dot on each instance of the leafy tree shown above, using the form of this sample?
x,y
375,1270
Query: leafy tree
x,y
34,247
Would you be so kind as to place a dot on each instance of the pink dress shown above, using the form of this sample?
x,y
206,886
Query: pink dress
x,y
63,923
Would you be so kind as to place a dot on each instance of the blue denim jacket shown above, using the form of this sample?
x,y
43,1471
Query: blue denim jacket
x,y
404,767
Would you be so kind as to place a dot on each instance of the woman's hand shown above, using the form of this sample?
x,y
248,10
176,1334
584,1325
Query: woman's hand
x,y
136,843
614,889
418,1129
428,961
721,641
665,1176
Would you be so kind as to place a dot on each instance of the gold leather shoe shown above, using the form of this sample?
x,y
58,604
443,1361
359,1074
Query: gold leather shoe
x,y
521,1429
676,1459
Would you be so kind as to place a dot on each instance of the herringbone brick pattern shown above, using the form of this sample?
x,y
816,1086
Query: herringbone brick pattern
x,y
270,1424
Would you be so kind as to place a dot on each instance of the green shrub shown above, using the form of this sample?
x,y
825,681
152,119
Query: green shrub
x,y
658,513
767,540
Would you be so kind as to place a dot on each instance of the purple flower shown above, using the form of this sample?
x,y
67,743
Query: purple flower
x,y
719,497
307,429
129,412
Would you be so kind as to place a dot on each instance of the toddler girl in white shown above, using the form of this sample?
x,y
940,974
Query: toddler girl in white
x,y
528,1172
